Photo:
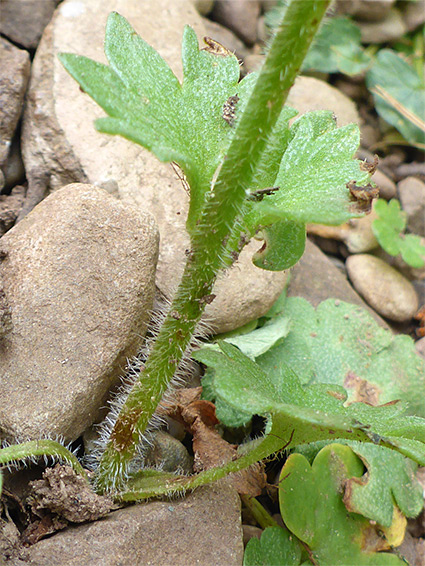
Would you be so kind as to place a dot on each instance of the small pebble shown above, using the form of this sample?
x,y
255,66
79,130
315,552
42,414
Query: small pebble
x,y
387,187
249,532
412,198
239,16
169,454
420,347
383,287
389,29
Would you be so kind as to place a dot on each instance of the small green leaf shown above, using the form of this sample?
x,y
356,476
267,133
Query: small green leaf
x,y
412,251
284,244
391,213
275,547
228,415
398,92
312,508
262,339
389,228
337,48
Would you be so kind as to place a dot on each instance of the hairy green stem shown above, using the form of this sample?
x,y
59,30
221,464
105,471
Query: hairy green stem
x,y
224,204
256,451
40,448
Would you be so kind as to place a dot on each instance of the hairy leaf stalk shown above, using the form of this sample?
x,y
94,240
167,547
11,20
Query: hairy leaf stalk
x,y
223,206
34,449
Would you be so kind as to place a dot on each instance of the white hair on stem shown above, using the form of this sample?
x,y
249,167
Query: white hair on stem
x,y
134,366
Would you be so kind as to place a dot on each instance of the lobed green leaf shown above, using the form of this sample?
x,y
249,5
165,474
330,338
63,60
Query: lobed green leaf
x,y
342,344
276,546
388,229
308,413
398,92
312,508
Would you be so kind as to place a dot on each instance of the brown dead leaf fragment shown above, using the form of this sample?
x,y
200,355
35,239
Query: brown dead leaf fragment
x,y
210,449
420,317
180,399
362,196
370,167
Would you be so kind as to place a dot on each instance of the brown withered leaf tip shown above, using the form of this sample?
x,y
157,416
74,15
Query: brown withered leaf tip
x,y
370,167
362,196
213,46
261,193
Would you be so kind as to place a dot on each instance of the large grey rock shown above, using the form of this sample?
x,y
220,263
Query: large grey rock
x,y
78,277
14,74
59,141
383,287
203,529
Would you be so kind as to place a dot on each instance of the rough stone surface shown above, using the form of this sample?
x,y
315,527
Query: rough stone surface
x,y
202,529
78,275
14,73
414,14
10,205
383,287
309,94
367,10
316,279
23,21
389,29
387,187
412,197
59,140
240,16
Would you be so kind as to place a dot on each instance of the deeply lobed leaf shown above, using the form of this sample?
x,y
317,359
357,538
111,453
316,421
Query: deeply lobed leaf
x,y
147,104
